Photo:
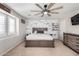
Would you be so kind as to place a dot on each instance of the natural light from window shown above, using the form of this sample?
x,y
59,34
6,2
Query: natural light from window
x,y
8,24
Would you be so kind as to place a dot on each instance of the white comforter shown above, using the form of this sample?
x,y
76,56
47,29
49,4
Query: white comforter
x,y
39,37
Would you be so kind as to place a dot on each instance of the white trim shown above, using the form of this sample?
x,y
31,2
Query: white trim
x,y
7,13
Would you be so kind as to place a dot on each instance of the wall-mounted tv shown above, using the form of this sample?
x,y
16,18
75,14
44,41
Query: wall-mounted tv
x,y
75,19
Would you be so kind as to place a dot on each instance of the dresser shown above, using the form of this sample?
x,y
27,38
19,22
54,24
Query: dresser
x,y
72,41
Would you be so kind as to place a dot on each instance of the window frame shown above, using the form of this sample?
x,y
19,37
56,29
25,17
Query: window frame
x,y
7,26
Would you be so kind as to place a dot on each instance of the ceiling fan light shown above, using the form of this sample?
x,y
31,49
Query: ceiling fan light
x,y
45,13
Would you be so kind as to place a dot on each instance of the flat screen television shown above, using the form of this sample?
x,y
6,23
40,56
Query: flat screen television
x,y
75,19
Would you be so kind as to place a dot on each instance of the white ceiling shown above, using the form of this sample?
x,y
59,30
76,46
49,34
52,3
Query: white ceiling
x,y
25,9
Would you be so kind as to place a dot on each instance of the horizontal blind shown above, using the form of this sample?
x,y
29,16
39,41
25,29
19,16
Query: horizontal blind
x,y
2,24
11,25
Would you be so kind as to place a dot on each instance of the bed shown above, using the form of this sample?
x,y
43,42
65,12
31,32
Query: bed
x,y
39,39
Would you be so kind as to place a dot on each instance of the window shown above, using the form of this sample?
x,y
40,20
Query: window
x,y
11,25
7,25
2,24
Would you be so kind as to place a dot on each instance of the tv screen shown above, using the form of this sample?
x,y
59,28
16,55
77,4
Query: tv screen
x,y
75,19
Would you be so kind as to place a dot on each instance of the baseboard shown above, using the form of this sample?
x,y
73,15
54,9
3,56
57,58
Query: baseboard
x,y
17,43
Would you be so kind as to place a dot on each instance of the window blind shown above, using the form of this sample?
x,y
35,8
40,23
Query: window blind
x,y
7,25
11,25
2,24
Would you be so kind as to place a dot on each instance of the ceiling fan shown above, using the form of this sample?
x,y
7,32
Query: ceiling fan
x,y
47,9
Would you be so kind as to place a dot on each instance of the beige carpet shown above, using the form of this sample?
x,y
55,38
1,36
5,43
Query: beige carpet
x,y
59,50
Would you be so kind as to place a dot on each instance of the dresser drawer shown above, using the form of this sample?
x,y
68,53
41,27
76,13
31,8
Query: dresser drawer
x,y
72,41
77,50
73,46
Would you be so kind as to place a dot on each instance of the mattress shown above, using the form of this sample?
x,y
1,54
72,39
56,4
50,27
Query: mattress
x,y
39,37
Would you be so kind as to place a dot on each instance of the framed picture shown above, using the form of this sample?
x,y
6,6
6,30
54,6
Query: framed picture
x,y
23,21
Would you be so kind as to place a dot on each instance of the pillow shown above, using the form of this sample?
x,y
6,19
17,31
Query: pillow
x,y
45,32
35,32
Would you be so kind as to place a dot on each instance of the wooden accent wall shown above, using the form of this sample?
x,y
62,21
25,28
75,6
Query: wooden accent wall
x,y
5,8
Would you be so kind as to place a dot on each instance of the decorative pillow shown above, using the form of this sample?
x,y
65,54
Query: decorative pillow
x,y
35,32
45,32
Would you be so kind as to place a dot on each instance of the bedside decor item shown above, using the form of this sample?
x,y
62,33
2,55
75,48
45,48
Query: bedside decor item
x,y
23,21
55,27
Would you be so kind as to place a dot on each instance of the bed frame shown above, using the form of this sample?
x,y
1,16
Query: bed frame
x,y
39,43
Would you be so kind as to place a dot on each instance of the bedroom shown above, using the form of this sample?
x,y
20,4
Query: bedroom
x,y
26,31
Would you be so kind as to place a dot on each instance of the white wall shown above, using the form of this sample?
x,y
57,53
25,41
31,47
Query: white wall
x,y
62,25
69,27
66,26
10,42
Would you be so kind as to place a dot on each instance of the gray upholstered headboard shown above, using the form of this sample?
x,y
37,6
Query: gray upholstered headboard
x,y
40,30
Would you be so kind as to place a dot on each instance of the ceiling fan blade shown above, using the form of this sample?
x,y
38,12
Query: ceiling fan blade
x,y
50,5
57,8
42,15
35,11
54,12
48,14
39,6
